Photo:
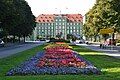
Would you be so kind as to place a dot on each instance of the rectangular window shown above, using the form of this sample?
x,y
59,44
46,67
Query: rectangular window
x,y
59,27
63,27
48,27
50,23
74,27
67,31
59,23
51,27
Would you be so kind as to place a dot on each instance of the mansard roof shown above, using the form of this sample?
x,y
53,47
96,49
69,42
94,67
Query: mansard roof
x,y
49,18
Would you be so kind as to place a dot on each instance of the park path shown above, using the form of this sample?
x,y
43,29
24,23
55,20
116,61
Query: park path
x,y
113,51
13,49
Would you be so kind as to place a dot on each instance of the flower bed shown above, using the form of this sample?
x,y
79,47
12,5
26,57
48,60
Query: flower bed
x,y
57,59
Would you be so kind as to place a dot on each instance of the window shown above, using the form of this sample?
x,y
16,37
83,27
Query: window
x,y
63,27
51,27
59,19
67,31
59,23
67,27
59,27
56,23
51,23
48,31
74,27
48,27
63,20
63,23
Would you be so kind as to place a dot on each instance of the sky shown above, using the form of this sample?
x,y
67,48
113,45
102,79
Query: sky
x,y
60,6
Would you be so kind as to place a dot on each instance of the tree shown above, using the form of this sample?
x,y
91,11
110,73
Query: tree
x,y
104,14
18,19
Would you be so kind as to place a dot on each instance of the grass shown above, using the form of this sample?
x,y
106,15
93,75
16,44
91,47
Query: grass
x,y
110,66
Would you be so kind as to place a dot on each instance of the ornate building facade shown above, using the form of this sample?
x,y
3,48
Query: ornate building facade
x,y
53,25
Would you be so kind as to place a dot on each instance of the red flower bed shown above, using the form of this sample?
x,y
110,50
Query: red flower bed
x,y
60,56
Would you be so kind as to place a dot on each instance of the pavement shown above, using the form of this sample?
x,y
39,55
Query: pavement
x,y
113,51
13,48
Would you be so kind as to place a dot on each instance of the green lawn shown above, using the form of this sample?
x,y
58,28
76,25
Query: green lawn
x,y
110,66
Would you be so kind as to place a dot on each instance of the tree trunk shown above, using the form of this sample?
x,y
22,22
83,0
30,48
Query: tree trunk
x,y
19,38
113,39
14,39
24,38
6,39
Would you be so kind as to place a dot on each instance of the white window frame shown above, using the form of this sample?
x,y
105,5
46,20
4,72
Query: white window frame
x,y
59,23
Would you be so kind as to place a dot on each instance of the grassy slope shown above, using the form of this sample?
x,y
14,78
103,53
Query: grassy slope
x,y
110,66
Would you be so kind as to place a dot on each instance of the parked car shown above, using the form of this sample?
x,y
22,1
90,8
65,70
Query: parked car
x,y
2,43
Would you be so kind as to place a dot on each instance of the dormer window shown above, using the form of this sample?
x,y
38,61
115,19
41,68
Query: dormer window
x,y
47,20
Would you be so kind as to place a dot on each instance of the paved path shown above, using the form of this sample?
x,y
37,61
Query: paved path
x,y
13,49
115,52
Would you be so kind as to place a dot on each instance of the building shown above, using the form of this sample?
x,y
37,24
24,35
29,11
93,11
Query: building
x,y
58,25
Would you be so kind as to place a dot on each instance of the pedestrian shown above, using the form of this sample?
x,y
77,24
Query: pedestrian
x,y
100,45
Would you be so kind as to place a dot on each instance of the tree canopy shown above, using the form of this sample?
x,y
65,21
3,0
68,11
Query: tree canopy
x,y
104,14
16,18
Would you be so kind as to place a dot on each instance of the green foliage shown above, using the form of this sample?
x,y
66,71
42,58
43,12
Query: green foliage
x,y
104,14
16,18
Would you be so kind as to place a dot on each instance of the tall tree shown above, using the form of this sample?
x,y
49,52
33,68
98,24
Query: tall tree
x,y
18,19
104,14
